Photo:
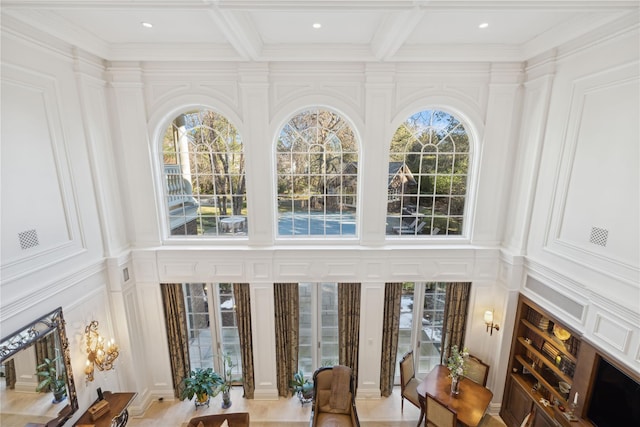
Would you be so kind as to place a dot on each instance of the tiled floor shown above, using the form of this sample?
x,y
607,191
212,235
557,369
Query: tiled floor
x,y
384,412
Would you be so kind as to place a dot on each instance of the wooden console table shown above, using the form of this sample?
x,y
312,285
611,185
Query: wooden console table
x,y
118,403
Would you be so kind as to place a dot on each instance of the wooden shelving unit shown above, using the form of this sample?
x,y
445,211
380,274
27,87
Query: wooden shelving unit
x,y
540,360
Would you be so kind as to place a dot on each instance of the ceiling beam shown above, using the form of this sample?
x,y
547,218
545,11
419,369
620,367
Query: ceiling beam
x,y
393,32
239,30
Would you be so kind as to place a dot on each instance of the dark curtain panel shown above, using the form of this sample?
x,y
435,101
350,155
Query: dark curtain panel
x,y
45,347
242,296
287,316
349,325
177,334
455,317
10,374
390,330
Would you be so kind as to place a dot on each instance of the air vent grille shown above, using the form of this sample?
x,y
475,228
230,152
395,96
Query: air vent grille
x,y
28,239
599,236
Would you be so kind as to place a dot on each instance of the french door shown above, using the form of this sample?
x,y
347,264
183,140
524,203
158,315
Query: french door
x,y
212,327
318,328
421,320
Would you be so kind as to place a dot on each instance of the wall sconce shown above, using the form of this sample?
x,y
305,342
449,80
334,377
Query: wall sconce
x,y
488,320
100,354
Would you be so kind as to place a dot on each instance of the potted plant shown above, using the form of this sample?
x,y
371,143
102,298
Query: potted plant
x,y
51,379
302,387
226,380
201,383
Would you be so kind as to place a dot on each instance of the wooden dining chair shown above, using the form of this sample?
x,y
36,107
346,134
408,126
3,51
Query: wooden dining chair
x,y
408,381
476,370
439,415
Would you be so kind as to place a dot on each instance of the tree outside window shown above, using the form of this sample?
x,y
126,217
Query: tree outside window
x,y
205,187
428,175
317,171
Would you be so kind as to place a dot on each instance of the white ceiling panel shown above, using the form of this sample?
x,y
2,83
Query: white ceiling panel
x,y
337,27
352,30
505,27
124,26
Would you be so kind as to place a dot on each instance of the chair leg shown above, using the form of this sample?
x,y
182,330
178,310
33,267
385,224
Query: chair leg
x,y
402,404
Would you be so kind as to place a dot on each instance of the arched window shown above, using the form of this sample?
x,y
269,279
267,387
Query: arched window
x,y
203,161
317,167
428,171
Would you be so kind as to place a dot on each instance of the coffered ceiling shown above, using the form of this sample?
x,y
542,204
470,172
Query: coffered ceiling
x,y
282,30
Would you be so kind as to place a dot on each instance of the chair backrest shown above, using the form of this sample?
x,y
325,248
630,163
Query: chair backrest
x,y
407,368
324,388
439,415
476,370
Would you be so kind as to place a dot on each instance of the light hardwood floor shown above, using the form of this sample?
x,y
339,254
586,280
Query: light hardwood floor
x,y
384,412
18,408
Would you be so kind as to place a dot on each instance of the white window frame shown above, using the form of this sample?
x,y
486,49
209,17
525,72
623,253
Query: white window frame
x,y
344,217
316,326
215,328
419,293
431,230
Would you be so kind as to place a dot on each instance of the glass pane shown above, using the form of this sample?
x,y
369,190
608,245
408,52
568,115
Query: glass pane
x,y
228,328
406,322
431,329
200,340
306,342
314,181
431,149
329,352
210,162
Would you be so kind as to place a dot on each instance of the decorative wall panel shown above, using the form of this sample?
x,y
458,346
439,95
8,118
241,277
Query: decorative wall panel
x,y
571,307
39,214
598,180
612,332
293,270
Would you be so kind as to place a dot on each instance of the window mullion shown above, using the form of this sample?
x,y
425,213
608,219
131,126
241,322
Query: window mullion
x,y
215,325
316,320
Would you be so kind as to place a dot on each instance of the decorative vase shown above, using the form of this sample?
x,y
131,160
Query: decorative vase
x,y
201,400
226,399
59,396
455,386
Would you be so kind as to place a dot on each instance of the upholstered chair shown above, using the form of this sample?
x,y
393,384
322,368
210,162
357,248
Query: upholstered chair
x,y
234,419
439,415
476,370
408,381
334,402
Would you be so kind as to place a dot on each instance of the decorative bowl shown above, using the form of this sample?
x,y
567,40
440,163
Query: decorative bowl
x,y
561,333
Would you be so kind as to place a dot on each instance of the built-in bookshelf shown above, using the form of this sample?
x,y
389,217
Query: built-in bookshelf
x,y
542,364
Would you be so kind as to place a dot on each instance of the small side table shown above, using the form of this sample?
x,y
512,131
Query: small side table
x,y
118,403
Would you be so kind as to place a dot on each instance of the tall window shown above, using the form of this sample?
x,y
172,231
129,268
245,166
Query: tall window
x,y
428,170
317,171
421,320
211,322
203,163
318,341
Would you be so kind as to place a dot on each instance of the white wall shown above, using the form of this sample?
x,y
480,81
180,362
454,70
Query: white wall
x,y
55,149
537,130
589,177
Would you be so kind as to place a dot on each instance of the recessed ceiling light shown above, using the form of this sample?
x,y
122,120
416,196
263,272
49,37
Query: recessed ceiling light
x,y
483,25
147,24
317,25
